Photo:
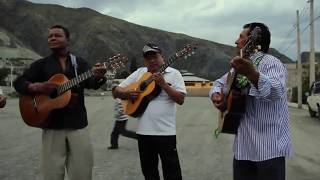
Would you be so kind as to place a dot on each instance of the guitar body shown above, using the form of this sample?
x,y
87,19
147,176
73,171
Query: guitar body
x,y
35,109
149,92
234,97
235,109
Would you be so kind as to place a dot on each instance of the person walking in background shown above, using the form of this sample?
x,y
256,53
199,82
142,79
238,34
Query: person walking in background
x,y
119,127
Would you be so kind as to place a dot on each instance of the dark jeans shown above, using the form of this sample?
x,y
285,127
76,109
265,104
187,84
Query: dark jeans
x,y
272,169
120,128
150,148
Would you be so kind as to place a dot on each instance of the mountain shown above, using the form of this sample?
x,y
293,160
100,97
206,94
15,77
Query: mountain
x,y
94,36
11,47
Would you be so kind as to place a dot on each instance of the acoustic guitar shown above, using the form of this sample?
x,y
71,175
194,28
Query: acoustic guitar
x,y
234,97
35,109
148,87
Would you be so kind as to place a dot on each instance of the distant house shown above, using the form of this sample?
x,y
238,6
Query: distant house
x,y
196,86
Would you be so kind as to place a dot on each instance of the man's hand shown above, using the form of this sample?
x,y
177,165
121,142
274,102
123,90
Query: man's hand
x,y
42,88
132,95
99,70
242,66
158,77
2,101
246,68
217,100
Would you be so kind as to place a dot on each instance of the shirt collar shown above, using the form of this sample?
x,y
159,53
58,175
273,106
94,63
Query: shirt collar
x,y
168,70
256,56
55,56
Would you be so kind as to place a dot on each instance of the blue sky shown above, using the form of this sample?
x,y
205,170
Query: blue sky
x,y
215,20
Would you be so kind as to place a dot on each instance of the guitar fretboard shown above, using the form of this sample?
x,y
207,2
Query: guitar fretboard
x,y
167,64
74,82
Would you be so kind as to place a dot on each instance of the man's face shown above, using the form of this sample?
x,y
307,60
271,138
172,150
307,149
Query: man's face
x,y
153,61
57,39
242,39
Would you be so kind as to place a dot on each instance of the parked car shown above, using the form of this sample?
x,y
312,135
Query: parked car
x,y
313,100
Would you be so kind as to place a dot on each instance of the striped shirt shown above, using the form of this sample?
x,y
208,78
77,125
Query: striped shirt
x,y
118,109
264,130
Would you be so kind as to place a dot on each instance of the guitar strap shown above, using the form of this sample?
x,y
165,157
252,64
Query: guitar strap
x,y
74,64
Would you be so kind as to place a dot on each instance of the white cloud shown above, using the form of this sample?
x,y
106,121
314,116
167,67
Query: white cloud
x,y
216,20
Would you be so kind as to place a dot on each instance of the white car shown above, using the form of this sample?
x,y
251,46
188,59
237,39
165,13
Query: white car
x,y
313,99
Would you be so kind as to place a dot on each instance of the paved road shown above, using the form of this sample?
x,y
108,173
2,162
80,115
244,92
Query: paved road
x,y
202,156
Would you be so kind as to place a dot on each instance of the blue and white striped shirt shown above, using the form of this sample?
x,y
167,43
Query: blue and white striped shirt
x,y
264,130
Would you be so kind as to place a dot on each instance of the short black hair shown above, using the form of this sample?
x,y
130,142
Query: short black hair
x,y
265,39
65,30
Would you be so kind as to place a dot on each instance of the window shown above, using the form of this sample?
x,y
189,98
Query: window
x,y
190,84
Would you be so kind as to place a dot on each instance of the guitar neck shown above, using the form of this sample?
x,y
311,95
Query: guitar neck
x,y
161,69
167,64
74,82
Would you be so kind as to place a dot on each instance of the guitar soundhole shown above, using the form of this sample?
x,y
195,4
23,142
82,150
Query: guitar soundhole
x,y
143,85
54,94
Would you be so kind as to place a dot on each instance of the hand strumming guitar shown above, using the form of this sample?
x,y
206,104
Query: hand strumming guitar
x,y
124,94
217,100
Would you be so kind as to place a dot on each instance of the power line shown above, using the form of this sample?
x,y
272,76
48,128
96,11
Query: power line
x,y
290,32
304,29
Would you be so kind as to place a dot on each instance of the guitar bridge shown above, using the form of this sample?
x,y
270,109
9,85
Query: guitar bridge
x,y
34,104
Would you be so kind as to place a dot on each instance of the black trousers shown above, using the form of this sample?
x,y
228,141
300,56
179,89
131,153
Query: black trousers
x,y
150,148
272,169
120,128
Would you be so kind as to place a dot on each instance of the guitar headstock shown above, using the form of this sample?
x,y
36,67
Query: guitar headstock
x,y
116,62
252,44
187,51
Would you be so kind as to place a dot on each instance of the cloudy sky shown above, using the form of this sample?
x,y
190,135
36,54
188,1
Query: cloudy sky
x,y
216,20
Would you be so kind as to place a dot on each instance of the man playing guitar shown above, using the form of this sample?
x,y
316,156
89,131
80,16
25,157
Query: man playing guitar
x,y
65,138
157,125
263,138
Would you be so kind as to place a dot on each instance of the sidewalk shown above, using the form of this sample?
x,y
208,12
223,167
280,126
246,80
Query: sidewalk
x,y
291,104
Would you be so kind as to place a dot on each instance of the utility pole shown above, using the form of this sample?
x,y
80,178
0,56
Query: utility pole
x,y
311,55
299,75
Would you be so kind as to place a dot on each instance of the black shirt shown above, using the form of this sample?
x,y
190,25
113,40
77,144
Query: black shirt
x,y
74,115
